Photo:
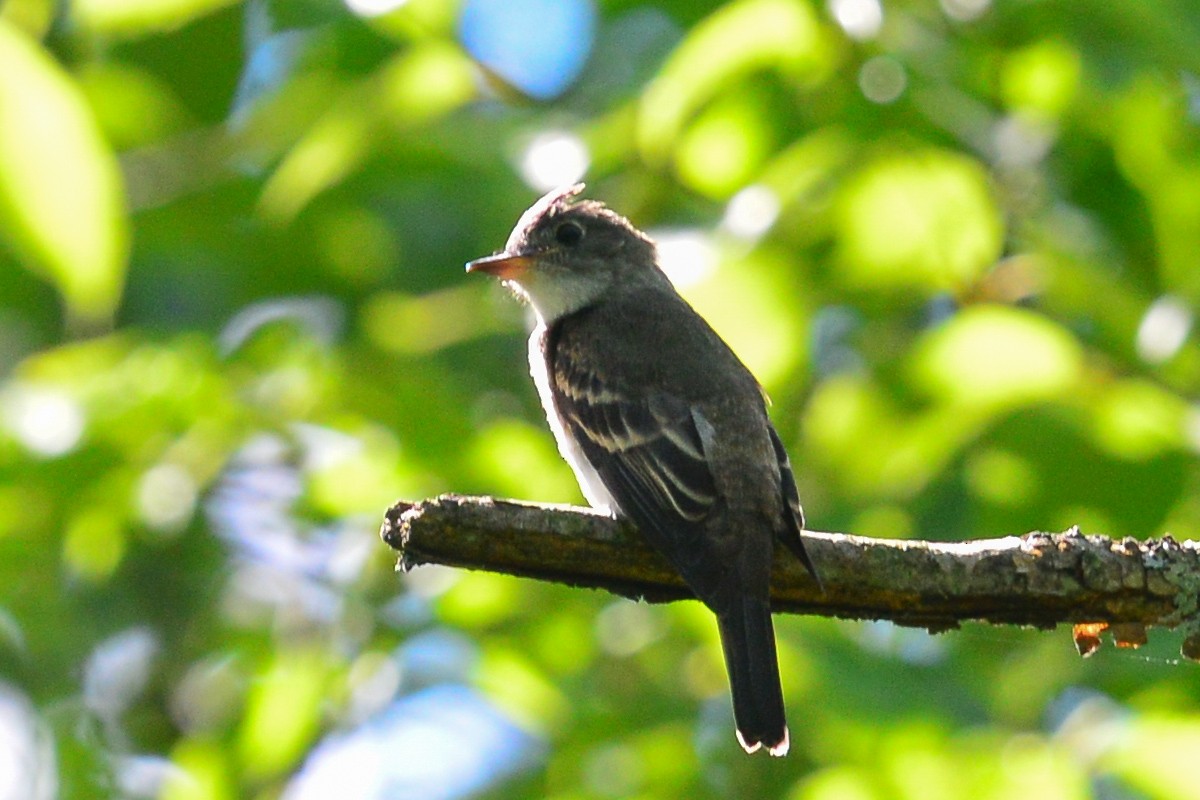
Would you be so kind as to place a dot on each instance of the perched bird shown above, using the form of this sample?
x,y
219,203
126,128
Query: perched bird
x,y
662,424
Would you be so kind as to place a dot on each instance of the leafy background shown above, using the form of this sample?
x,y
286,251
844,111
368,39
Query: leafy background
x,y
956,240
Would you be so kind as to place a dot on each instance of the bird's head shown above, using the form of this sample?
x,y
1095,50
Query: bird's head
x,y
563,256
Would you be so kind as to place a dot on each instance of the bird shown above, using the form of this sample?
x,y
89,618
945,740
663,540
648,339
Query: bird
x,y
663,425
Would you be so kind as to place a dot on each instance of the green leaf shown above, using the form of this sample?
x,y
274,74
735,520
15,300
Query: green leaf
x,y
923,219
995,357
421,84
140,17
1156,755
283,712
61,199
737,40
1042,79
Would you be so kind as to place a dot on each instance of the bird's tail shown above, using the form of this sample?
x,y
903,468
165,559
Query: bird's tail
x,y
748,638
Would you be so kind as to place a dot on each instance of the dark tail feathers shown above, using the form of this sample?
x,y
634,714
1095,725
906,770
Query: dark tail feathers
x,y
748,639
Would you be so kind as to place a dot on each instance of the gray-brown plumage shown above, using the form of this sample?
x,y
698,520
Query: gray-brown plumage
x,y
662,424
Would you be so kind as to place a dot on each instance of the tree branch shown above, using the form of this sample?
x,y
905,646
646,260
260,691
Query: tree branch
x,y
1038,579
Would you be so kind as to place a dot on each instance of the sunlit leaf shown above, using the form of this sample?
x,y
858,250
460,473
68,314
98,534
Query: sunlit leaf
x,y
837,783
1001,477
564,642
140,17
95,543
1156,755
425,82
849,424
61,202
420,84
329,152
521,462
719,152
1149,130
874,448
24,512
1143,126
923,446
516,685
359,245
739,38
917,755
34,17
1138,419
806,163
883,522
282,712
925,219
1023,766
204,772
1042,79
480,600
424,324
132,106
996,357
418,19
354,472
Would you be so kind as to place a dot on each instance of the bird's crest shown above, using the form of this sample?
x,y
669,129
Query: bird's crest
x,y
557,202
550,204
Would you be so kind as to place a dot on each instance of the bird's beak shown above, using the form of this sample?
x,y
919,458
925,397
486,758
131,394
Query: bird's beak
x,y
502,265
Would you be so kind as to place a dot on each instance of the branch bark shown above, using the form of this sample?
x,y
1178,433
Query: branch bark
x,y
1039,579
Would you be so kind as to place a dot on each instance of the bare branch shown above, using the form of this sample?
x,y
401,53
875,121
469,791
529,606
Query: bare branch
x,y
1038,579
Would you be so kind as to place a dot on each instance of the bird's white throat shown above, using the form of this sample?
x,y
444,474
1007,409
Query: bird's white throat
x,y
552,297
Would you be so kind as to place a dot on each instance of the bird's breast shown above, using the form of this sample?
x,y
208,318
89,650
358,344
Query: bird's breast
x,y
540,368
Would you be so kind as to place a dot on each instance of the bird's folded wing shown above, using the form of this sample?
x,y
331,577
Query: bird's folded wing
x,y
648,450
791,535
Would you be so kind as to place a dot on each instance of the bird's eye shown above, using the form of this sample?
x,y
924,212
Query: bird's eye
x,y
568,233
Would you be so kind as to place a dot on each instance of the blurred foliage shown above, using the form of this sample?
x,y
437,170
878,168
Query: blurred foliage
x,y
956,239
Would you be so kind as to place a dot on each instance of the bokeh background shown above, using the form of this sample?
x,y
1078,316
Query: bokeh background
x,y
957,240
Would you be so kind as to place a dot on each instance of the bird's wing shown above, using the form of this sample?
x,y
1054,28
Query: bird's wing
x,y
650,453
791,496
